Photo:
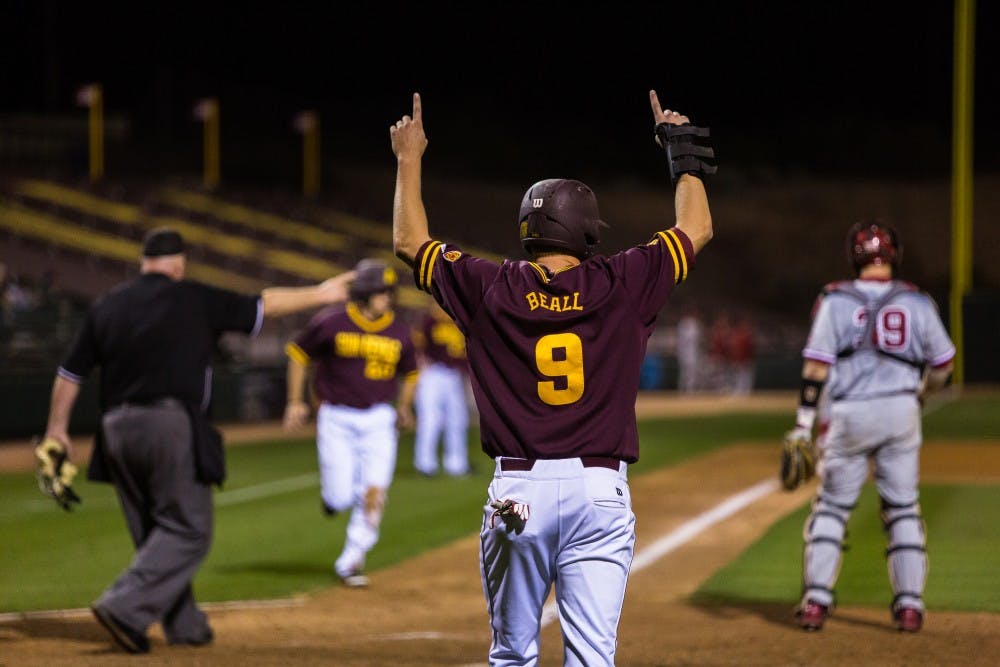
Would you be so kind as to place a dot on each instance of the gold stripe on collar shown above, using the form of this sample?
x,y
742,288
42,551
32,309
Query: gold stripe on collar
x,y
367,325
541,272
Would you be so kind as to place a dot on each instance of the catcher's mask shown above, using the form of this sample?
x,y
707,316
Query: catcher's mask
x,y
372,276
873,242
559,214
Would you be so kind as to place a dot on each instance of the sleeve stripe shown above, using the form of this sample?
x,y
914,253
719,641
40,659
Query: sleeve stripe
x,y
943,359
259,322
680,251
673,253
424,278
66,375
430,265
817,355
297,354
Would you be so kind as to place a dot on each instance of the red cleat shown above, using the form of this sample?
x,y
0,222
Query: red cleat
x,y
909,619
812,615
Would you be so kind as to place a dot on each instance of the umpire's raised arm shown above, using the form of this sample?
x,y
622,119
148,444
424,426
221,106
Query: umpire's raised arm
x,y
409,220
690,199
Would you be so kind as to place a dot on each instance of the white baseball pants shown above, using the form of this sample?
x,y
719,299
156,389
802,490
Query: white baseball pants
x,y
580,535
357,457
441,407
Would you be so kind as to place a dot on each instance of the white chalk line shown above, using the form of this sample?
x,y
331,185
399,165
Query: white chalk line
x,y
222,498
265,490
660,548
238,605
685,533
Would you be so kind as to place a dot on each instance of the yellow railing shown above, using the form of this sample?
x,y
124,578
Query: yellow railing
x,y
50,229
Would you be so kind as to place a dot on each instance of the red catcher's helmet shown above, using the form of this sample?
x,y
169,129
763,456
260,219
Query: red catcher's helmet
x,y
560,214
873,242
371,277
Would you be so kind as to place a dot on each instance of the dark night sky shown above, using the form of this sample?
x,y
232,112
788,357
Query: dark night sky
x,y
846,88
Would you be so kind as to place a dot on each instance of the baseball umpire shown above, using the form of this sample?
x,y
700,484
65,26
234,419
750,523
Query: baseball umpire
x,y
879,346
360,354
555,345
153,339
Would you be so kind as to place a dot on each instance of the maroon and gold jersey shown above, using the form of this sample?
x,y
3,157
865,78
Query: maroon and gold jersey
x,y
555,358
358,361
441,342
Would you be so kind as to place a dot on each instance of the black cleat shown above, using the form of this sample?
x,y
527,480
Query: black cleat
x,y
129,639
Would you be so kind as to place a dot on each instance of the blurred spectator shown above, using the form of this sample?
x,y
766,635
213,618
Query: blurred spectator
x,y
742,354
689,350
718,354
16,297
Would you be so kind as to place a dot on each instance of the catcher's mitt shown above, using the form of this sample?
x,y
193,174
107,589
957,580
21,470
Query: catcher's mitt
x,y
798,458
55,472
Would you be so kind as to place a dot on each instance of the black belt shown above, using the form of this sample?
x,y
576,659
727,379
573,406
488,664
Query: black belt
x,y
161,402
508,464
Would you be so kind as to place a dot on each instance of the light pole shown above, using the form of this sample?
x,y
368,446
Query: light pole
x,y
207,111
92,97
307,124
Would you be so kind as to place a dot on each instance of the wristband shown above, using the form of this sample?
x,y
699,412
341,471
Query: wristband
x,y
808,400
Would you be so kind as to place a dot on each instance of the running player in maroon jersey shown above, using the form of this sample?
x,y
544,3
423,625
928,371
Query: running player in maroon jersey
x,y
360,353
555,346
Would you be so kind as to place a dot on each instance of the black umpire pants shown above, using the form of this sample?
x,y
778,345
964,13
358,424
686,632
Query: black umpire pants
x,y
169,514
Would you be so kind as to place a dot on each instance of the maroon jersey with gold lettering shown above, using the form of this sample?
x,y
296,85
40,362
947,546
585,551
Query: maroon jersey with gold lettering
x,y
358,361
442,343
555,358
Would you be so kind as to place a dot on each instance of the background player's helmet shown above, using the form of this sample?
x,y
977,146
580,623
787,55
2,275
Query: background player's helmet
x,y
561,215
873,242
372,276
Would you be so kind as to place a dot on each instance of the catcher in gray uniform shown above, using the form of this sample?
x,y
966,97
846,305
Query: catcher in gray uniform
x,y
879,346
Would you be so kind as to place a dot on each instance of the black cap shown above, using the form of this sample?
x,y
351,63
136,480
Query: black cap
x,y
162,241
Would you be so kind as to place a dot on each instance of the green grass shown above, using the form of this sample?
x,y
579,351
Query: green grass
x,y
973,417
280,545
963,548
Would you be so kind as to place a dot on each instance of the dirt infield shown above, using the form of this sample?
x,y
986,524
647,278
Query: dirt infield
x,y
430,610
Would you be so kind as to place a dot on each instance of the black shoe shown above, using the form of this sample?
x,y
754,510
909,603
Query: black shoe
x,y
204,640
328,511
130,640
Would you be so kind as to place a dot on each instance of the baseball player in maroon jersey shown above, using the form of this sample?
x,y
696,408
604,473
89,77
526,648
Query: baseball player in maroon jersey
x,y
555,345
441,403
360,353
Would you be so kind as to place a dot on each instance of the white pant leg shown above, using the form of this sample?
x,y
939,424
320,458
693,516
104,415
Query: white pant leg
x,y
592,574
897,476
515,561
375,461
334,438
580,534
456,426
431,418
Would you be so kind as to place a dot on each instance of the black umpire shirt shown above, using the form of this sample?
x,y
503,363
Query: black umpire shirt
x,y
153,338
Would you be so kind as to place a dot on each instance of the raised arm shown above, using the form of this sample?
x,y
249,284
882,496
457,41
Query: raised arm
x,y
409,219
280,301
690,199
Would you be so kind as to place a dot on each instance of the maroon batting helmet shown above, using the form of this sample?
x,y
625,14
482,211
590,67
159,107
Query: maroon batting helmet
x,y
371,277
561,215
873,242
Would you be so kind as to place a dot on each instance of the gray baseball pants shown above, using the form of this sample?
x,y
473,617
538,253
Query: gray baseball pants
x,y
169,514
